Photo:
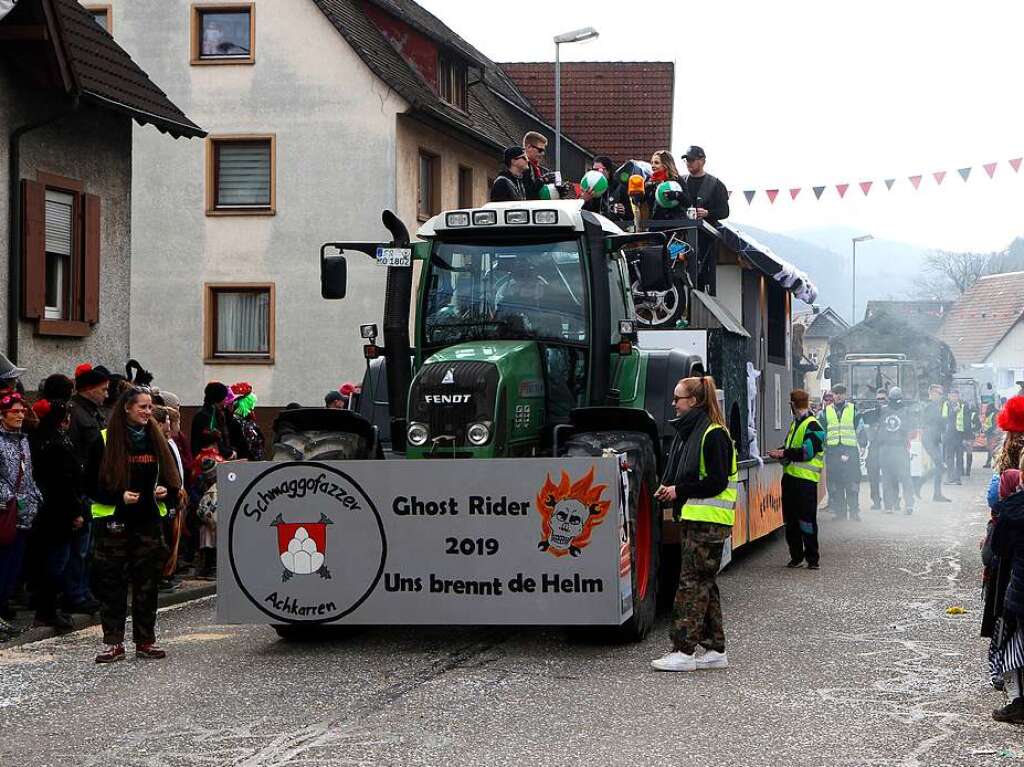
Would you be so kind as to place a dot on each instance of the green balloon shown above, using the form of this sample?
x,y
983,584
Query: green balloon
x,y
663,188
594,181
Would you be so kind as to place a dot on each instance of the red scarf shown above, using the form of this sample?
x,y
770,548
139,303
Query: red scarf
x,y
659,175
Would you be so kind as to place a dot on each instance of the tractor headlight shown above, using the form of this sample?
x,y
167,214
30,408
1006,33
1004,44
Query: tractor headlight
x,y
455,220
418,434
485,218
478,434
517,216
545,217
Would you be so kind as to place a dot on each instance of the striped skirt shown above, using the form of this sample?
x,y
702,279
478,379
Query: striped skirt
x,y
1006,650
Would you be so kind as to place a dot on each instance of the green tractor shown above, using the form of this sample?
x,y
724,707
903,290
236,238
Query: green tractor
x,y
525,347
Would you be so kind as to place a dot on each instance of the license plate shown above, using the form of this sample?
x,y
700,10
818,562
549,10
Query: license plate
x,y
394,256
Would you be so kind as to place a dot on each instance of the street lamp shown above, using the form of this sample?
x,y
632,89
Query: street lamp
x,y
576,36
853,308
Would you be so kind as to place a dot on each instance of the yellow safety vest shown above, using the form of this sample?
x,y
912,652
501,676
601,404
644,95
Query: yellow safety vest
x,y
100,510
839,429
960,426
722,508
809,470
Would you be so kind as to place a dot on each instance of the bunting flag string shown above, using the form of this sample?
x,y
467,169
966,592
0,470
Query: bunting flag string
x,y
915,180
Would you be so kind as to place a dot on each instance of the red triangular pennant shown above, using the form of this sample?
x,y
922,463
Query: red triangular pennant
x,y
889,182
964,173
990,168
818,191
938,176
794,192
915,180
1015,164
841,188
865,186
772,194
749,194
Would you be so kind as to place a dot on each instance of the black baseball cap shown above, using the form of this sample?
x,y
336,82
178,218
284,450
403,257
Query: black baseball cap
x,y
694,153
514,152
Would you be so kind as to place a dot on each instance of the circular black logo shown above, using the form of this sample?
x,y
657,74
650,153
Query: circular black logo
x,y
306,543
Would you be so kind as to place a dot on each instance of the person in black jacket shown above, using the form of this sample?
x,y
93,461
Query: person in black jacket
x,y
611,204
133,481
663,168
88,418
699,482
210,423
510,185
703,191
63,512
1008,548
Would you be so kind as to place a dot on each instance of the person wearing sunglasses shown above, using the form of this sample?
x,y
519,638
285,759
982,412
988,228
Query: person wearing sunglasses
x,y
535,145
19,501
700,483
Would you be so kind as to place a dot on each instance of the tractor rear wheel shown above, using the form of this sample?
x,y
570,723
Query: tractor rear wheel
x,y
643,519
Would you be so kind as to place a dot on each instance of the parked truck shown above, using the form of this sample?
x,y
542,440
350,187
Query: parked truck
x,y
502,465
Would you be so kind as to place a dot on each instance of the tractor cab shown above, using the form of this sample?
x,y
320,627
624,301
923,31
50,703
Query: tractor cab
x,y
522,314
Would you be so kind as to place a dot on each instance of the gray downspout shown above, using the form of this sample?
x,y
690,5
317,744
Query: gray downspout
x,y
14,234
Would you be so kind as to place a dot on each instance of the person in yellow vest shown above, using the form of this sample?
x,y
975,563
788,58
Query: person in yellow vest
x,y
700,482
801,457
131,478
961,424
842,456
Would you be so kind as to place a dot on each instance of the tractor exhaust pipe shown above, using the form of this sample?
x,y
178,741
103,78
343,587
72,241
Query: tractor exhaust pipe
x,y
397,309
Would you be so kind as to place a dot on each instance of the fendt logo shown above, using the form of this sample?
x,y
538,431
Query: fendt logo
x,y
447,399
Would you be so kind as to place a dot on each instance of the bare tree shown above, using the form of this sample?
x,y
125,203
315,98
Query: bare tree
x,y
959,270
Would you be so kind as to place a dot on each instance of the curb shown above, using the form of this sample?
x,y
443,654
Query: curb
x,y
82,621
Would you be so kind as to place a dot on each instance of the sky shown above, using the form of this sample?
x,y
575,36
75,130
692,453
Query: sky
x,y
797,94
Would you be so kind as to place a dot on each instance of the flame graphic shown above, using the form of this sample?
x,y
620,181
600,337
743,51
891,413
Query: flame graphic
x,y
584,491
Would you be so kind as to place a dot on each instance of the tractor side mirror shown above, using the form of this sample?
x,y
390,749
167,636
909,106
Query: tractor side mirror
x,y
333,274
828,373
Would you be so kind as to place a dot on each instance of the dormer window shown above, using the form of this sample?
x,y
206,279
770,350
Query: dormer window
x,y
451,81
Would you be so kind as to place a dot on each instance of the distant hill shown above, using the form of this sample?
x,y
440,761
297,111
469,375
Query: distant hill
x,y
885,269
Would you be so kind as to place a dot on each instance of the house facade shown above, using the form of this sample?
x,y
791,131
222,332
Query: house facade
x,y
985,331
322,114
68,95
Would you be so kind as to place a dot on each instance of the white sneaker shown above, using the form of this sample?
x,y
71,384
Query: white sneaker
x,y
713,659
675,661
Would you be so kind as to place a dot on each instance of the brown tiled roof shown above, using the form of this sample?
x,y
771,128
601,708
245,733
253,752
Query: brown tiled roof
x,y
982,316
105,74
618,108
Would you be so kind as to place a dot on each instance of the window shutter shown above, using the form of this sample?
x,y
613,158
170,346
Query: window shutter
x,y
91,262
33,249
243,174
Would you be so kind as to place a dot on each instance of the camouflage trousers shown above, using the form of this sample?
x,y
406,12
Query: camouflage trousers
x,y
123,558
697,612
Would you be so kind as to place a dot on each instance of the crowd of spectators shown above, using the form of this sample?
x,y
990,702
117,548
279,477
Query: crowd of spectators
x,y
73,525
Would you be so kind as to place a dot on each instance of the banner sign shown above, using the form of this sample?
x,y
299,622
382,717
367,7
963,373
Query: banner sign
x,y
504,541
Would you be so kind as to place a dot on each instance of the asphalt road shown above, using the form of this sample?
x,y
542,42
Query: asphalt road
x,y
857,664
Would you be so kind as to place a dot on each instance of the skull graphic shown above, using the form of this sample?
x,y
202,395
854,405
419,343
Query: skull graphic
x,y
568,518
569,511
